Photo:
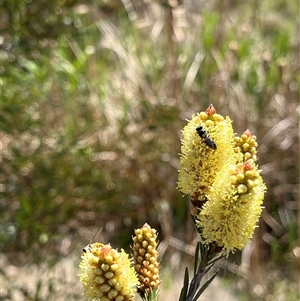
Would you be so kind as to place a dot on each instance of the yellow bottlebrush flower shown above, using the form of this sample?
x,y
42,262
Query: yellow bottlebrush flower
x,y
106,274
200,162
224,183
233,208
145,256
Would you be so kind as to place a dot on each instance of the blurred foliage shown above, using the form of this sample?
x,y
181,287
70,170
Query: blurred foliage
x,y
278,286
94,96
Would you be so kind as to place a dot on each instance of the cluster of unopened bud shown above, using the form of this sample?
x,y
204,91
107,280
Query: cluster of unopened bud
x,y
106,274
245,176
145,255
246,145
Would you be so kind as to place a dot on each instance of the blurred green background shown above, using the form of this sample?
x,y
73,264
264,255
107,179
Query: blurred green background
x,y
94,95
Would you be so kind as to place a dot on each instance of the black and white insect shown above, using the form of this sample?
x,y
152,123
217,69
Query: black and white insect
x,y
204,135
87,248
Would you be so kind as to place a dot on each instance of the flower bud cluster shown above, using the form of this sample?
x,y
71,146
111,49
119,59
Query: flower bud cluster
x,y
245,177
245,146
145,255
106,274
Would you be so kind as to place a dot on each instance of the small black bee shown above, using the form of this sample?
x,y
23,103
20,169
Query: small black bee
x,y
207,140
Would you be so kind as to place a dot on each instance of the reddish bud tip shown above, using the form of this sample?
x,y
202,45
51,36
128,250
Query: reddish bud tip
x,y
146,226
105,251
210,110
248,133
247,166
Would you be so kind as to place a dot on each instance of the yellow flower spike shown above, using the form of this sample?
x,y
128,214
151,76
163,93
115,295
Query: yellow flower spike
x,y
145,256
106,274
230,216
200,160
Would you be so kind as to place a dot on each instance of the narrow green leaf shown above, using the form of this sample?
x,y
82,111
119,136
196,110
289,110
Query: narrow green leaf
x,y
185,285
196,258
152,295
203,251
195,283
204,286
